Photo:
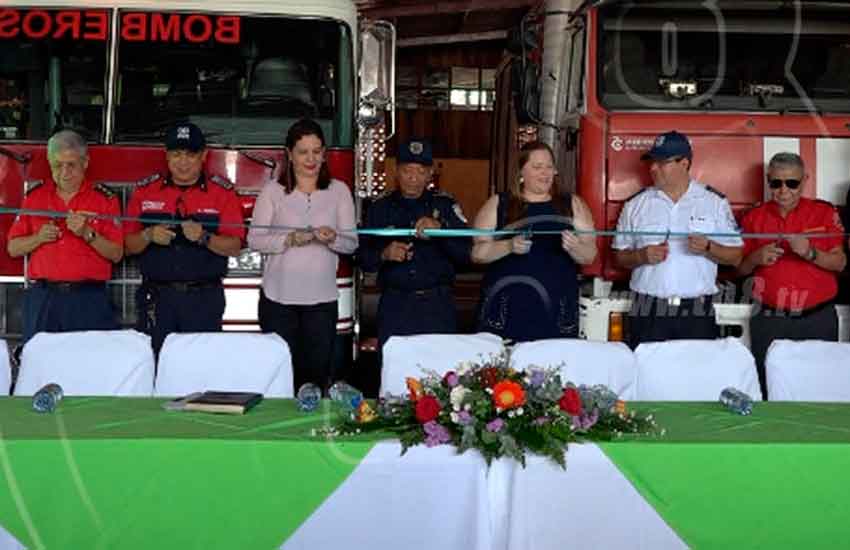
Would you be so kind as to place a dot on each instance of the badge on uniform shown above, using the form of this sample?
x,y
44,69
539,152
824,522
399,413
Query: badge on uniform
x,y
436,214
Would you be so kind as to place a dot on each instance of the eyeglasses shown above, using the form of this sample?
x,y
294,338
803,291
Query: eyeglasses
x,y
776,183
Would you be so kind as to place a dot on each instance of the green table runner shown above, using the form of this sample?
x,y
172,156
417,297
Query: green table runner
x,y
84,476
776,479
81,478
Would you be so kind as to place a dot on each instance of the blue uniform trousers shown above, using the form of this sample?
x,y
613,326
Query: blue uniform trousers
x,y
66,307
408,312
172,307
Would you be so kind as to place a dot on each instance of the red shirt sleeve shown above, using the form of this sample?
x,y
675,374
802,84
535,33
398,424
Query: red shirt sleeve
x,y
134,210
748,226
111,228
231,216
833,225
22,226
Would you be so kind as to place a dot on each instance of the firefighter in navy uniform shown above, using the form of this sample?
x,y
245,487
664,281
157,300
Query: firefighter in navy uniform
x,y
415,275
194,225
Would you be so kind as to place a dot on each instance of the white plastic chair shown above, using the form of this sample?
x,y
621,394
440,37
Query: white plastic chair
x,y
810,370
5,369
582,362
408,355
224,361
104,362
694,370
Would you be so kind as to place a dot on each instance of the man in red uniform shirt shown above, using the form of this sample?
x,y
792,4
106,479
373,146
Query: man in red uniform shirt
x,y
71,255
190,223
795,280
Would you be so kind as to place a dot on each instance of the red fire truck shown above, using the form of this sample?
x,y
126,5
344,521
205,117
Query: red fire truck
x,y
743,79
121,72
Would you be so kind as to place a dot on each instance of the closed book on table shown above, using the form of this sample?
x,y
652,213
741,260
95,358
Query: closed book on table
x,y
223,402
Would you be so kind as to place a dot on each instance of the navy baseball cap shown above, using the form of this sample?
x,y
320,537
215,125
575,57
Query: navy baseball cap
x,y
669,145
185,136
415,151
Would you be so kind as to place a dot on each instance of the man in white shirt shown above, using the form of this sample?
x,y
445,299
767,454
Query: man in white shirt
x,y
674,277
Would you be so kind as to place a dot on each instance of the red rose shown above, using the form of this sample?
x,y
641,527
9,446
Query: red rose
x,y
570,402
490,376
427,408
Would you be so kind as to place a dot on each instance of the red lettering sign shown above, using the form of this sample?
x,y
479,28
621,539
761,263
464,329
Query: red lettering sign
x,y
9,23
95,25
67,21
135,26
37,24
227,30
57,24
165,31
197,28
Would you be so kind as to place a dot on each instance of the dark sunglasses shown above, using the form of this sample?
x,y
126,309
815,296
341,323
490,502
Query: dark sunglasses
x,y
790,184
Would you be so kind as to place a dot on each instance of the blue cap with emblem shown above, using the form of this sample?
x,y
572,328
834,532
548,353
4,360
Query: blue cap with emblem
x,y
415,151
669,145
185,136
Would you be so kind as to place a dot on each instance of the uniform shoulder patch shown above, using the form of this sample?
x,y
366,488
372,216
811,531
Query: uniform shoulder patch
x,y
222,182
104,190
711,189
635,195
149,179
32,186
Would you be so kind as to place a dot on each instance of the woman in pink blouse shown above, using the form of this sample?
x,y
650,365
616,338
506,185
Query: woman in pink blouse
x,y
299,295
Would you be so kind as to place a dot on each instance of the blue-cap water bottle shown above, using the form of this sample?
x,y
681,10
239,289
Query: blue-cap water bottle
x,y
736,401
47,398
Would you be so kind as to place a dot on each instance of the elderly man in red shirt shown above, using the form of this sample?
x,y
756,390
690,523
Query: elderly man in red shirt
x,y
70,256
795,280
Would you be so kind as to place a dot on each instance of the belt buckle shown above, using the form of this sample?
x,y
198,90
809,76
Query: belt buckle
x,y
421,292
674,301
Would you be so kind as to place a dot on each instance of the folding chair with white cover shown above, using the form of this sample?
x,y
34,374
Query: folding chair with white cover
x,y
406,356
810,370
694,370
582,362
224,361
5,369
97,362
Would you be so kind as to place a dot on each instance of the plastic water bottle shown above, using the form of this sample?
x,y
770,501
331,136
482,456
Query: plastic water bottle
x,y
47,398
736,401
345,396
308,397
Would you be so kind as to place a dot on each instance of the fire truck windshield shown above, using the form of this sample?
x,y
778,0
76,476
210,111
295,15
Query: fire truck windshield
x,y
242,79
246,90
703,57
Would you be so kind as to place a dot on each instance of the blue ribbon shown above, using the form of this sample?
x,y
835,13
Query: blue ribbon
x,y
444,233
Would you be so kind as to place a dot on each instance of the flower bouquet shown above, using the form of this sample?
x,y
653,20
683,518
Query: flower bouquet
x,y
499,411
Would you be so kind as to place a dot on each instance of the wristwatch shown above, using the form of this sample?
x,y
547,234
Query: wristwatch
x,y
90,236
812,254
205,238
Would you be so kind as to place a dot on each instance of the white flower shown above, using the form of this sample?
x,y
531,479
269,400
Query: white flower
x,y
519,411
457,395
464,367
467,407
455,417
510,414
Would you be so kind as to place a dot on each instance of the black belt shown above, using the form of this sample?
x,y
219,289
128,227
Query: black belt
x,y
675,301
184,286
69,286
797,313
441,290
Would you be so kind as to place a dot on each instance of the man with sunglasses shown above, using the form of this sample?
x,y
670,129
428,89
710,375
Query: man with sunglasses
x,y
674,276
189,223
794,279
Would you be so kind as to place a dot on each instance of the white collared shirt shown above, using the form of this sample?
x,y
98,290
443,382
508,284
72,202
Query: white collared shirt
x,y
682,274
